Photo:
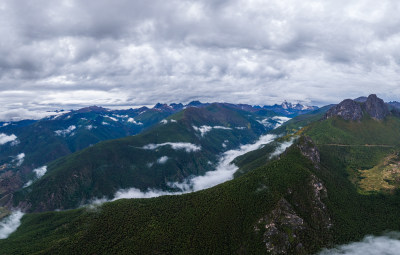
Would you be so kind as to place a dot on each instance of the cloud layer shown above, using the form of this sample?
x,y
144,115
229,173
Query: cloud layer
x,y
388,244
74,53
9,224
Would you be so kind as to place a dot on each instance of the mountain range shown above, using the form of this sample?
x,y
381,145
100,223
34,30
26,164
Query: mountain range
x,y
325,177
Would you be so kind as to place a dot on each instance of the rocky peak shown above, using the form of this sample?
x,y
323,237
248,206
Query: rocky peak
x,y
354,109
348,109
376,108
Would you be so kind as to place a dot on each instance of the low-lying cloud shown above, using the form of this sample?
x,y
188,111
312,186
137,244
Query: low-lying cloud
x,y
281,148
7,138
65,132
388,244
223,172
225,168
9,224
205,129
188,147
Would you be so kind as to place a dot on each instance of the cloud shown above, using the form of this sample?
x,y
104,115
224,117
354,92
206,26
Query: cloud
x,y
65,132
188,147
162,160
40,171
7,138
19,159
223,172
281,148
388,244
9,224
80,53
225,168
205,129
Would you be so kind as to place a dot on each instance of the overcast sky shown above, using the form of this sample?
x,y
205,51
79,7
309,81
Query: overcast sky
x,y
66,54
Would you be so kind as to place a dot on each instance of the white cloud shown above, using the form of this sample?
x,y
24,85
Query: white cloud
x,y
9,224
164,121
132,120
19,159
162,160
110,54
224,170
205,129
65,132
371,245
111,118
281,148
188,147
40,171
7,138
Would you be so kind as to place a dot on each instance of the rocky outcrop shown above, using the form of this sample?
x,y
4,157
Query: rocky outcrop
x,y
320,212
376,108
282,227
309,150
347,109
355,109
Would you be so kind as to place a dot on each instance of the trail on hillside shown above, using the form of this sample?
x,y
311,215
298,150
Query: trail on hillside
x,y
358,145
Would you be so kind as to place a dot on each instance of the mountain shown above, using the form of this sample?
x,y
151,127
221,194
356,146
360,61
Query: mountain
x,y
289,109
28,145
353,110
338,182
188,143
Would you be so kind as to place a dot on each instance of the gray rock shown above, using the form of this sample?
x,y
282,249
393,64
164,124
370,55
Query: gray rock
x,y
376,108
348,109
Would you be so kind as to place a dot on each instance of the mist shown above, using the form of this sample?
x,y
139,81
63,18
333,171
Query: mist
x,y
10,223
388,244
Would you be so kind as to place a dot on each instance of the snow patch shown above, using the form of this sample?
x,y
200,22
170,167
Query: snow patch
x,y
9,224
188,147
7,138
65,132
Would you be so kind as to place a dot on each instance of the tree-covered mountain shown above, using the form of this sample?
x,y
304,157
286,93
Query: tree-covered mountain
x,y
28,145
338,182
188,143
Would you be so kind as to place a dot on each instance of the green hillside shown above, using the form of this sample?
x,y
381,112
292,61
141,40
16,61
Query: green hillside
x,y
226,219
106,167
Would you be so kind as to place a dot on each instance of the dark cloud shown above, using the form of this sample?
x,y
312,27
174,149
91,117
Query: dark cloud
x,y
124,52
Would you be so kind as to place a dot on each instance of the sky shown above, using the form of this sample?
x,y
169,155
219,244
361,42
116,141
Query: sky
x,y
68,54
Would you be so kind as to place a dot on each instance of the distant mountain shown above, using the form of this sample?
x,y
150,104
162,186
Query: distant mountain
x,y
28,144
289,109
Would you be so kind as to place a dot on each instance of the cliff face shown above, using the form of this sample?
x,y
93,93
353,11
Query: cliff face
x,y
376,108
347,109
355,110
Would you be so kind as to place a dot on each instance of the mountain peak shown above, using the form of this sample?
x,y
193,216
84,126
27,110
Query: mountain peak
x,y
93,108
354,110
376,108
348,109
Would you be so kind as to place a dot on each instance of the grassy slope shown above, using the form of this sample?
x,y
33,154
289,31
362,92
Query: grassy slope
x,y
219,220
